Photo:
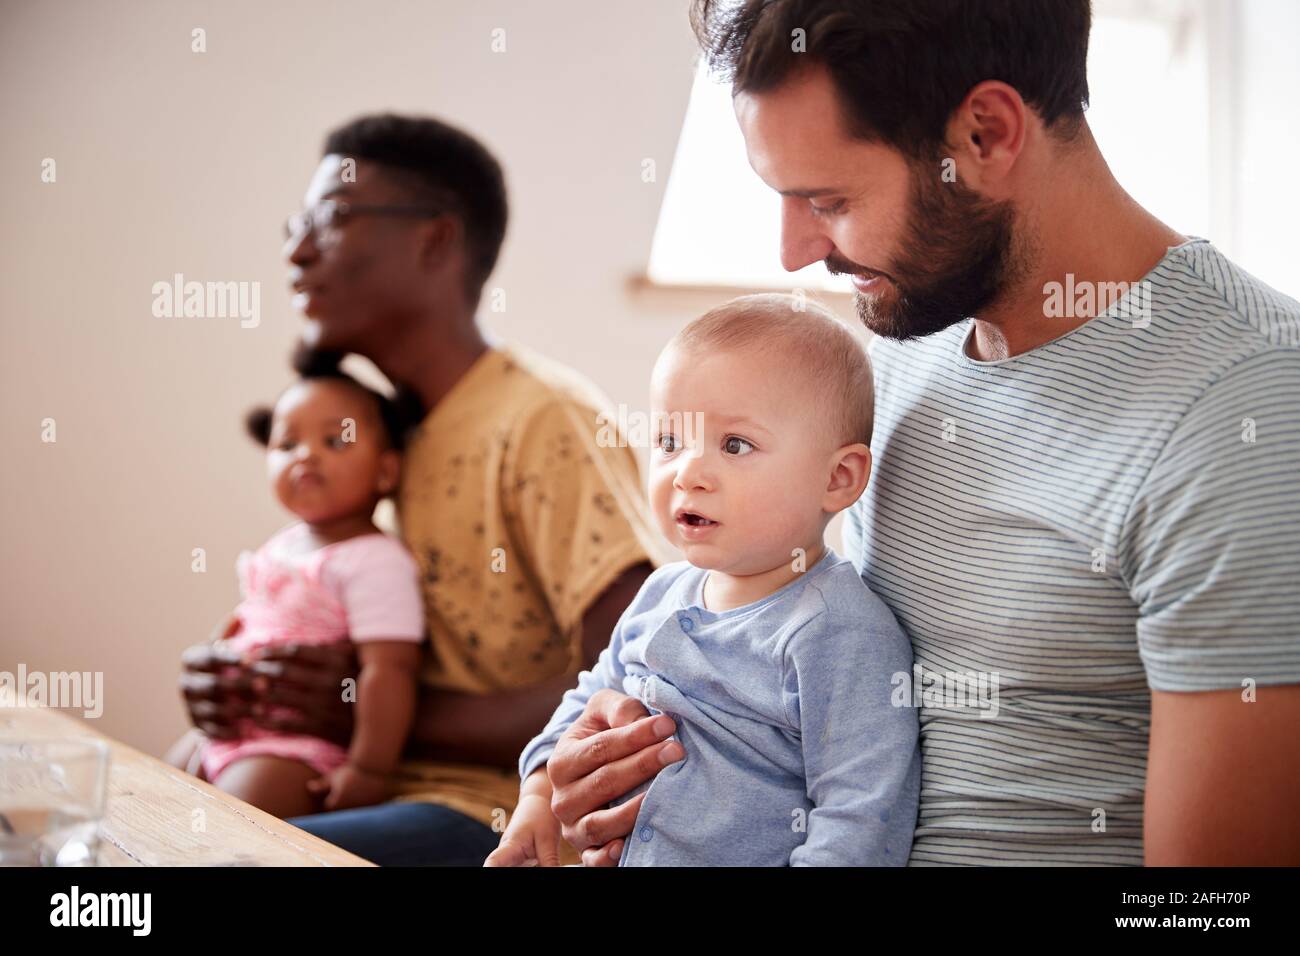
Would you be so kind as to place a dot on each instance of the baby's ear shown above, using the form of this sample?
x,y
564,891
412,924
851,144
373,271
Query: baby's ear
x,y
390,472
852,470
258,424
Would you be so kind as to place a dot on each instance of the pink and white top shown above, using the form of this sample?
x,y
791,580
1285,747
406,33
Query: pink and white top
x,y
363,589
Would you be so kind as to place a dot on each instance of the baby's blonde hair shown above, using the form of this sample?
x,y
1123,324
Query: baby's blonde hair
x,y
827,357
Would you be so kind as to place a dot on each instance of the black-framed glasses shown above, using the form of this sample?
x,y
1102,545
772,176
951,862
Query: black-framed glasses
x,y
329,214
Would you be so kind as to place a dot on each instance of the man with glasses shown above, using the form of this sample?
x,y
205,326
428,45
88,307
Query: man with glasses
x,y
531,539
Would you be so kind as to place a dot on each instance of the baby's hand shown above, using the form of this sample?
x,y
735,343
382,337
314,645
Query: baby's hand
x,y
351,786
532,837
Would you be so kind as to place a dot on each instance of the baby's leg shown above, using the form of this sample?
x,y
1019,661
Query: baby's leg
x,y
187,753
277,785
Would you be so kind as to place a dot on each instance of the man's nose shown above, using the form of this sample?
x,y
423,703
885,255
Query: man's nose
x,y
300,248
802,241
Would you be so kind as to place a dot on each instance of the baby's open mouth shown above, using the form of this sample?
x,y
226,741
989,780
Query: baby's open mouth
x,y
691,518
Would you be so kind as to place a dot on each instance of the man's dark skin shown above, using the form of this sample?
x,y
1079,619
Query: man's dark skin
x,y
395,290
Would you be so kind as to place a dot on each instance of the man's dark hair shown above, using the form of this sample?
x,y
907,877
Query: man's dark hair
x,y
902,66
444,166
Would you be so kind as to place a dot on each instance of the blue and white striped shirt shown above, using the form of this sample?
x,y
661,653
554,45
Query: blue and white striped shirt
x,y
1114,511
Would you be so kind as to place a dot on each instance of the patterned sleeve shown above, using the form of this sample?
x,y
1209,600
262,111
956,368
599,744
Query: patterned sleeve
x,y
575,509
1212,543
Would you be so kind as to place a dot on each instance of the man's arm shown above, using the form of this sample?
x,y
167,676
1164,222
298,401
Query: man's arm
x,y
1223,778
494,728
1209,549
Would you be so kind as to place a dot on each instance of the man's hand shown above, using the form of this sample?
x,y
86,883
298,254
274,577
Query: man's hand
x,y
217,688
309,679
614,747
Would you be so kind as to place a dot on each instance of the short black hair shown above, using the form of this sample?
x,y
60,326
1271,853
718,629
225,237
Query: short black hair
x,y
902,66
399,414
447,167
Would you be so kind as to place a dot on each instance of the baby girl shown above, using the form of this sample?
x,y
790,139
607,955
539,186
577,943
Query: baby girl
x,y
333,451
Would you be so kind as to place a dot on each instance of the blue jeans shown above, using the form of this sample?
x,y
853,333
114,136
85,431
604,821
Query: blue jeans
x,y
405,834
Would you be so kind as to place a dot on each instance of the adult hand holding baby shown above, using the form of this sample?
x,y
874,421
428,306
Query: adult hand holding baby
x,y
221,688
217,688
614,747
308,678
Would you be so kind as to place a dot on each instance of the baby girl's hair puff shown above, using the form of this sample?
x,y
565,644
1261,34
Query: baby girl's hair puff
x,y
399,414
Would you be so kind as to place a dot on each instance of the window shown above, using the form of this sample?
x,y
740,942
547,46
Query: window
x,y
1149,69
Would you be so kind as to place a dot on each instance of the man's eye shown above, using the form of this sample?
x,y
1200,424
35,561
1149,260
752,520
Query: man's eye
x,y
834,209
667,444
733,446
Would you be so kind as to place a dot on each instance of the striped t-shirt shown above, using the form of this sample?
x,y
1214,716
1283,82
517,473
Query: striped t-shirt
x,y
1064,530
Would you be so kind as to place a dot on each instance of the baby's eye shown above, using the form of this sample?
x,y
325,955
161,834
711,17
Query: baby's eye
x,y
285,444
732,445
667,440
335,442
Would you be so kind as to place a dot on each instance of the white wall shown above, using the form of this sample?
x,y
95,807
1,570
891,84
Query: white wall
x,y
1265,198
171,161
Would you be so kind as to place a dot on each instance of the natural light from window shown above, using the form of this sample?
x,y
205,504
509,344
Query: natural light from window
x,y
1148,72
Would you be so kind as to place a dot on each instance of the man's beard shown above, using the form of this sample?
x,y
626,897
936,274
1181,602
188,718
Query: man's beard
x,y
955,258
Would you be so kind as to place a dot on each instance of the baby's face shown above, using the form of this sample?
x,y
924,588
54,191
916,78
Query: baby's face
x,y
322,467
756,465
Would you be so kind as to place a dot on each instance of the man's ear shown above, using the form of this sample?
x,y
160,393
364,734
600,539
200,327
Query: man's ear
x,y
850,469
440,239
986,133
390,471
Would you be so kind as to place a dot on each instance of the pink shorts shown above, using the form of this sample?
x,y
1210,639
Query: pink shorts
x,y
321,755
